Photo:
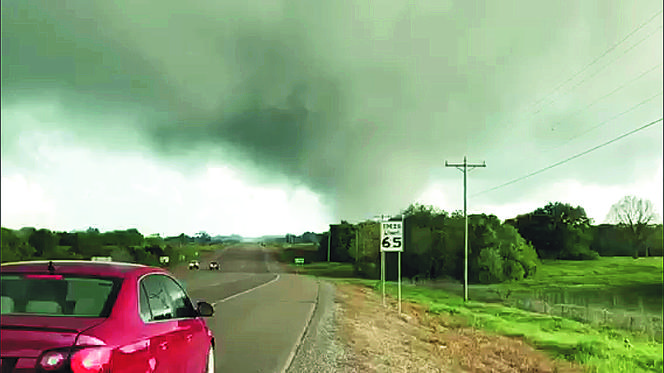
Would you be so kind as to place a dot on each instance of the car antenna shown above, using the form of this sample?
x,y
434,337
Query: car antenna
x,y
51,268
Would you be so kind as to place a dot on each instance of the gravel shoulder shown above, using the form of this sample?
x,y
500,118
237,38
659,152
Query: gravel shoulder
x,y
321,349
352,332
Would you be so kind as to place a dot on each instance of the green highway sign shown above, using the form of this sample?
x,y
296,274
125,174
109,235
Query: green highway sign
x,y
299,261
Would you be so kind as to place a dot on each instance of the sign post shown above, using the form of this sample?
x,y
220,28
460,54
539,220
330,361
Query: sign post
x,y
391,239
399,254
382,274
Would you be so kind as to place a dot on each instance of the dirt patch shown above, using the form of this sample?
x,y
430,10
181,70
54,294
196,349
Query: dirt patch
x,y
380,340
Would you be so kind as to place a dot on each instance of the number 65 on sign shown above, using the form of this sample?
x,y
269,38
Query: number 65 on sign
x,y
391,236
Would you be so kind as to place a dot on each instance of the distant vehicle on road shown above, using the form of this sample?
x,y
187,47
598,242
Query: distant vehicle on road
x,y
194,264
214,266
102,317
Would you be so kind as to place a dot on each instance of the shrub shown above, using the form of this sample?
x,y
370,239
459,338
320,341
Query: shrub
x,y
143,257
120,254
514,270
527,257
491,266
580,252
367,270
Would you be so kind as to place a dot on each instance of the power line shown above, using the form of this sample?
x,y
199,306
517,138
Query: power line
x,y
605,66
609,120
612,92
570,158
594,61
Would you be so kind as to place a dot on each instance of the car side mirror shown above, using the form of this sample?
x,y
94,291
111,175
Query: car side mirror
x,y
204,309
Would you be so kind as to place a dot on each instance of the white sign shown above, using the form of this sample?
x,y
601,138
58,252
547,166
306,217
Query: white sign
x,y
391,236
101,259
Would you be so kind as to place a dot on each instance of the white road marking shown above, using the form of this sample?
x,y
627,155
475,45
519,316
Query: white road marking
x,y
246,291
300,339
252,289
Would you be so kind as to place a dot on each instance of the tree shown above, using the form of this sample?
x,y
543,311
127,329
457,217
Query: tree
x,y
497,252
340,244
126,238
514,248
322,248
154,240
14,248
611,240
634,215
154,245
182,240
558,231
69,239
203,237
44,242
655,242
89,243
424,241
366,248
490,265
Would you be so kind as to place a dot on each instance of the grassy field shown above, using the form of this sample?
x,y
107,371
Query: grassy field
x,y
184,254
618,291
614,285
190,251
337,270
630,282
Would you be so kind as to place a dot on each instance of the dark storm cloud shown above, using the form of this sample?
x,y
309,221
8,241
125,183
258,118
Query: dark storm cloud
x,y
357,101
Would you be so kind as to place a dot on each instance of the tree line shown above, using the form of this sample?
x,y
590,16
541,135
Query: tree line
x,y
121,245
498,250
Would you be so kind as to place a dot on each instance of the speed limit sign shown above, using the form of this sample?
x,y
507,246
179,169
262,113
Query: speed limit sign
x,y
391,236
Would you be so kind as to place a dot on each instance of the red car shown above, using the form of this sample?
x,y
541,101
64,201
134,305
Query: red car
x,y
101,317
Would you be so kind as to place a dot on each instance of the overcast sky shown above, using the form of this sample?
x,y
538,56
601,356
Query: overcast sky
x,y
267,117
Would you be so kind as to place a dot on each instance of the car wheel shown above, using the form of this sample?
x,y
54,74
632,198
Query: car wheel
x,y
210,361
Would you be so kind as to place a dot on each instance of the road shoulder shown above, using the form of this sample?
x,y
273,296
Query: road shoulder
x,y
321,349
352,332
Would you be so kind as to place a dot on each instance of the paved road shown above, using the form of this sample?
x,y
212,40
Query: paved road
x,y
260,312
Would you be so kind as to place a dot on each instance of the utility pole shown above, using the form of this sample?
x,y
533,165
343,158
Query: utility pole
x,y
328,244
463,167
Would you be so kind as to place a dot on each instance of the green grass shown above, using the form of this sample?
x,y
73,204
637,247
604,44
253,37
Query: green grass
x,y
189,251
620,291
607,271
323,269
599,349
600,346
623,291
300,246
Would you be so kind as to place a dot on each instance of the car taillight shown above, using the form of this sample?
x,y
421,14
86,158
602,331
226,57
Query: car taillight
x,y
53,360
91,360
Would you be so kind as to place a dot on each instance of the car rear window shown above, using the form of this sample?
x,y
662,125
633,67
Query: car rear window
x,y
58,295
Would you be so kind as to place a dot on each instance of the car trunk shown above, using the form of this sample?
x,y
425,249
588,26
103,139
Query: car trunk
x,y
29,336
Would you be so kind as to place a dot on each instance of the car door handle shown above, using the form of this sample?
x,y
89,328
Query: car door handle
x,y
190,337
163,345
